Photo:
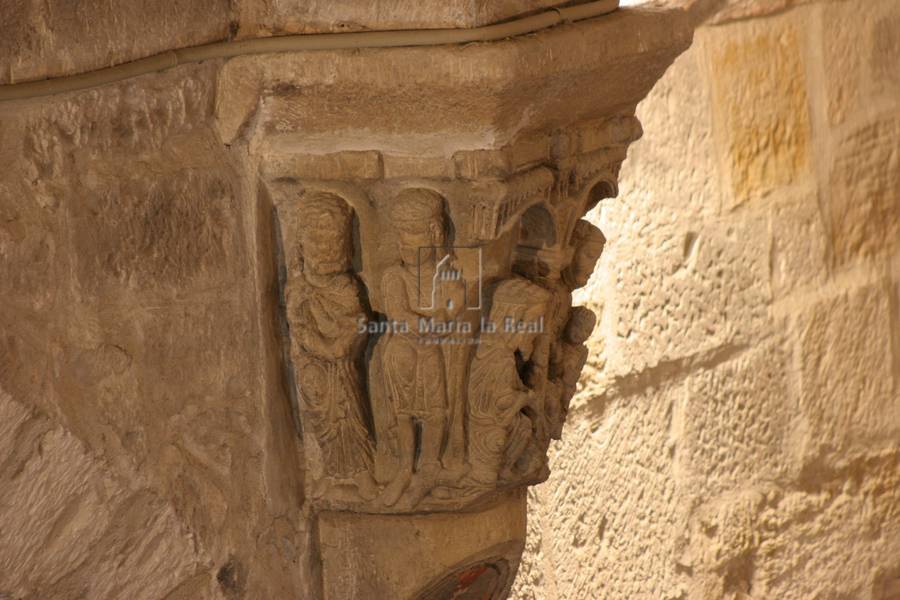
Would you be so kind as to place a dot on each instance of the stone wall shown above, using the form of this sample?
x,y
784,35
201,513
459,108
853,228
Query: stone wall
x,y
143,436
737,433
148,446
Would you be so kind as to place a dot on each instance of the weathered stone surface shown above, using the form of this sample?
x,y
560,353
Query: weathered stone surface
x,y
777,422
49,39
865,191
128,317
854,503
440,100
667,285
799,250
143,233
885,57
734,429
760,99
414,167
679,155
848,393
166,244
359,552
860,55
283,16
351,165
733,10
535,579
609,508
71,529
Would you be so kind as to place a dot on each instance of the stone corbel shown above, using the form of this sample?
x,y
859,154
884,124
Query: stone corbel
x,y
430,204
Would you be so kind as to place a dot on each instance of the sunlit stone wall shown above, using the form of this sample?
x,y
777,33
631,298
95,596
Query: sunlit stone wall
x,y
737,433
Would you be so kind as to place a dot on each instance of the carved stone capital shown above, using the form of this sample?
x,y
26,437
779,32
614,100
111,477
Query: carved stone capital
x,y
430,206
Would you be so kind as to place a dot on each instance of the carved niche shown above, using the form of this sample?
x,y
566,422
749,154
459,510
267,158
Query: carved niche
x,y
433,342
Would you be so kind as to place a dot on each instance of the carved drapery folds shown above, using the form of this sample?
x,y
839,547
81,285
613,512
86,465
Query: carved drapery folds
x,y
433,340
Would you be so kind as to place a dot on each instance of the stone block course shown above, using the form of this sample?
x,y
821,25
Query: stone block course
x,y
179,231
417,166
353,164
609,510
43,40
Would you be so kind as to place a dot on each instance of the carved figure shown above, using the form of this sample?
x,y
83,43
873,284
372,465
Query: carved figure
x,y
572,356
588,243
325,307
409,358
504,412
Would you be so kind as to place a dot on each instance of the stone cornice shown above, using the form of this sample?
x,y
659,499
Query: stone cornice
x,y
171,58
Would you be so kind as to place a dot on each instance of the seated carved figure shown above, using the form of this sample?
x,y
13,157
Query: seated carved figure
x,y
503,409
324,304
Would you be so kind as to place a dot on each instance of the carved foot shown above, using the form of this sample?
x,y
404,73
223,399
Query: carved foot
x,y
395,488
425,479
366,486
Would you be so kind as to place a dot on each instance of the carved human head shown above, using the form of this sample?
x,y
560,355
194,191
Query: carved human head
x,y
588,242
580,325
418,217
325,234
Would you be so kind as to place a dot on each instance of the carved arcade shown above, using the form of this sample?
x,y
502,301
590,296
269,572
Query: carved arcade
x,y
434,344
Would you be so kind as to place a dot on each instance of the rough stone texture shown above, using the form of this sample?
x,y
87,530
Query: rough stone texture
x,y
608,532
130,300
760,98
799,251
296,16
359,552
736,433
49,39
865,190
434,102
741,9
736,423
57,37
861,58
71,529
849,334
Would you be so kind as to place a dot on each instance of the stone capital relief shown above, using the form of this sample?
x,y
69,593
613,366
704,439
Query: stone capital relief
x,y
433,340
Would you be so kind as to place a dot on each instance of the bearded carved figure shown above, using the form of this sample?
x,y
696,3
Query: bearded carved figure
x,y
325,305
